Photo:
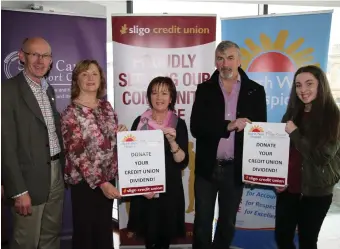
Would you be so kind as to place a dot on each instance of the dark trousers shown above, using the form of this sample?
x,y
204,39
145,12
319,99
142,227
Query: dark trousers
x,y
229,198
4,220
156,236
304,212
92,218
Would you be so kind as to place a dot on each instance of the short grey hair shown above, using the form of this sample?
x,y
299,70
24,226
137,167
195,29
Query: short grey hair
x,y
223,45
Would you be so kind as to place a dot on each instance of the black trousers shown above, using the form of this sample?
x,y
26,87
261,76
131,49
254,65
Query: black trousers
x,y
304,212
229,198
156,235
92,218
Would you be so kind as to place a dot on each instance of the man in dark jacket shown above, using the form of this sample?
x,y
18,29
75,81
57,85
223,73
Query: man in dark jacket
x,y
222,107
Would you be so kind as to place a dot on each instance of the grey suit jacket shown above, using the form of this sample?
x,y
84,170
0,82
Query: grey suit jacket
x,y
25,153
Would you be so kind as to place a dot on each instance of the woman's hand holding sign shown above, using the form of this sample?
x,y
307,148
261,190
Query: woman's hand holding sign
x,y
149,196
170,134
110,191
281,189
121,127
290,127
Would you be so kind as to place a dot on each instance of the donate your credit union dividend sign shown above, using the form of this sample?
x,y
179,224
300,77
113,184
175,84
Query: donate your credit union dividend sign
x,y
265,154
141,162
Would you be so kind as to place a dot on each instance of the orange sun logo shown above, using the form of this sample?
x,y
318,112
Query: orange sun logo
x,y
277,55
129,138
256,128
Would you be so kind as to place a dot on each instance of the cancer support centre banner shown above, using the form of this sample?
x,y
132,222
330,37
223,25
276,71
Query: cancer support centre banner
x,y
273,47
72,38
181,47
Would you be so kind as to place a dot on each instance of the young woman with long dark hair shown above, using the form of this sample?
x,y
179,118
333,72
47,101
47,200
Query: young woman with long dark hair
x,y
312,122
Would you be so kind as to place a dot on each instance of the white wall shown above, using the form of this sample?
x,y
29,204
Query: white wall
x,y
115,7
76,7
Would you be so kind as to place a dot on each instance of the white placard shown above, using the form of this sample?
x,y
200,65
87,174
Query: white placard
x,y
141,162
265,154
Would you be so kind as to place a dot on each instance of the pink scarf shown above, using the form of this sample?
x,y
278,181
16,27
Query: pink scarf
x,y
147,123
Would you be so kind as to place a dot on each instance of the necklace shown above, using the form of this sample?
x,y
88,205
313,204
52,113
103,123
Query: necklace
x,y
160,122
90,104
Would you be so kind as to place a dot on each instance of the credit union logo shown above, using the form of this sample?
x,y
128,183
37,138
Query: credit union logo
x,y
169,30
135,29
123,29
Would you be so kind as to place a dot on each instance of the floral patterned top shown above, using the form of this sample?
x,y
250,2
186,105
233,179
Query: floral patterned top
x,y
90,143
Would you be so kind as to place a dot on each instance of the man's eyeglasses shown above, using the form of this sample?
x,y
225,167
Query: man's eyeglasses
x,y
37,56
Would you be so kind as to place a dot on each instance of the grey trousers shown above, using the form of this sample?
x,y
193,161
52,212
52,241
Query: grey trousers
x,y
41,229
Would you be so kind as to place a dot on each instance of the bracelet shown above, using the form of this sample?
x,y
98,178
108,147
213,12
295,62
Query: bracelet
x,y
174,152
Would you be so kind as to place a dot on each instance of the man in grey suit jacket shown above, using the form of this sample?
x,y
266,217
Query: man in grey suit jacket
x,y
32,157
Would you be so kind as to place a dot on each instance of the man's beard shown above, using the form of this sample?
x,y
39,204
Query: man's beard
x,y
226,73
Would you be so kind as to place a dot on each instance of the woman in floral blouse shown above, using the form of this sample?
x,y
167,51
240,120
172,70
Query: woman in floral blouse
x,y
89,127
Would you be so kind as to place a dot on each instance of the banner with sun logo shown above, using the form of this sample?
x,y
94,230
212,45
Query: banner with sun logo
x,y
273,47
181,47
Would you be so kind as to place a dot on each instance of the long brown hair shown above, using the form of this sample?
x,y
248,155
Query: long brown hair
x,y
324,120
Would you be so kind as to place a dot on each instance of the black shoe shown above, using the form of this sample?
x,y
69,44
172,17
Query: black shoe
x,y
4,243
152,246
